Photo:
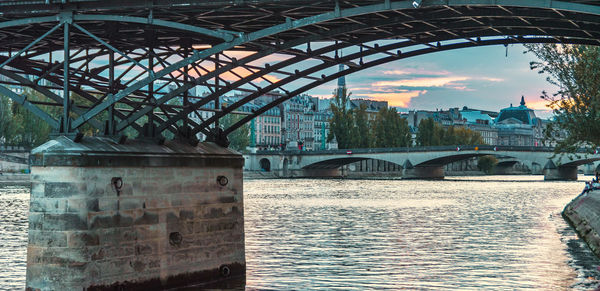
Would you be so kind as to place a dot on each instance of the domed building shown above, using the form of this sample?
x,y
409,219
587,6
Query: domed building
x,y
518,126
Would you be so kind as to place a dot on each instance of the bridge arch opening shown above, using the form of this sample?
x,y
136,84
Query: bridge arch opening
x,y
265,165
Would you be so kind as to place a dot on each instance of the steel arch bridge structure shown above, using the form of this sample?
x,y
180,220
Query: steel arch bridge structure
x,y
119,57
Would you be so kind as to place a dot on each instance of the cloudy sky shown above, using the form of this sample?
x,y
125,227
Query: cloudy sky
x,y
483,78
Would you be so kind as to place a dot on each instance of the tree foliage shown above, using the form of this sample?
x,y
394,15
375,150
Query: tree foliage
x,y
21,127
353,129
362,138
8,125
431,133
575,70
240,138
390,130
487,163
342,122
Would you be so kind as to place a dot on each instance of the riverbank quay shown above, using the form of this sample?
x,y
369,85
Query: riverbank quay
x,y
15,179
583,214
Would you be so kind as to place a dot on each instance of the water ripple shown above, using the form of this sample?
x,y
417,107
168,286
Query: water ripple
x,y
492,233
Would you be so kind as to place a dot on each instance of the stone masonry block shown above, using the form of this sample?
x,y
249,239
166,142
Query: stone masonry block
x,y
158,203
108,204
37,189
48,205
147,217
47,238
151,231
64,189
63,222
118,235
158,173
83,205
131,203
147,247
35,220
81,239
109,219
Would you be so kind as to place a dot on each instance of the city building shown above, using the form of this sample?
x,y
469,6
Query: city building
x,y
482,122
518,126
266,128
299,122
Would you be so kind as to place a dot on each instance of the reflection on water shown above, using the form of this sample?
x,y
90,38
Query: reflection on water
x,y
14,205
500,232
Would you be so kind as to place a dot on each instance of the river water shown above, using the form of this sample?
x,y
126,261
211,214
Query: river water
x,y
493,233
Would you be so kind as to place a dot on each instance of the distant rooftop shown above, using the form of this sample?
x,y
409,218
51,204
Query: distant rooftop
x,y
521,113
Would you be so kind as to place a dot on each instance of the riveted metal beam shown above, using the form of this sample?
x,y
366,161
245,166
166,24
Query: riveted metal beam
x,y
433,21
377,62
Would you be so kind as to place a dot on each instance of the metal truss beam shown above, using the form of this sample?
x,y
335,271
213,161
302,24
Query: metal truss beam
x,y
301,56
378,62
189,36
300,23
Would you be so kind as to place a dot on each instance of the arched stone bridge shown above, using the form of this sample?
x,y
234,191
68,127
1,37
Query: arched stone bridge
x,y
418,162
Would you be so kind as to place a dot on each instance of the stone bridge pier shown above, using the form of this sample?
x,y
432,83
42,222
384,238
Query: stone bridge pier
x,y
134,216
424,172
567,172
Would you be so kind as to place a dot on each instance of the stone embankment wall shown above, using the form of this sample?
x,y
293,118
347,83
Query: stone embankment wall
x,y
13,162
583,214
15,179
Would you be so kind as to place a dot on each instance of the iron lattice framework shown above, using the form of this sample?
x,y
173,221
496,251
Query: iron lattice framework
x,y
119,56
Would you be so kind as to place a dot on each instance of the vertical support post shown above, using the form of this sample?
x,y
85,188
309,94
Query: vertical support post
x,y
150,93
217,101
323,135
186,53
111,90
66,64
252,133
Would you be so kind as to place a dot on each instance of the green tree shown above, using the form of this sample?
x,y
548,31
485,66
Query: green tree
x,y
8,127
30,130
362,139
390,130
428,133
432,133
342,122
465,136
487,163
240,138
575,70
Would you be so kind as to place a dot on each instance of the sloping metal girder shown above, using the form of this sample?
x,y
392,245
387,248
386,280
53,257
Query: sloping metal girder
x,y
223,48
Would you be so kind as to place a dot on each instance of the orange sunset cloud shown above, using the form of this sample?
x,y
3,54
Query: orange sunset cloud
x,y
421,82
400,99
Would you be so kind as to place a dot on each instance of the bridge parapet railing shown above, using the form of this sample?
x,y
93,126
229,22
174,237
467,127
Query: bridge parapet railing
x,y
418,149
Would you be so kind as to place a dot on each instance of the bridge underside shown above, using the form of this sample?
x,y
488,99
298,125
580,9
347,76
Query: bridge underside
x,y
130,64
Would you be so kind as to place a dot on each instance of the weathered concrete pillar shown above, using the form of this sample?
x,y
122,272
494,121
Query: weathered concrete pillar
x,y
559,173
133,216
423,172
